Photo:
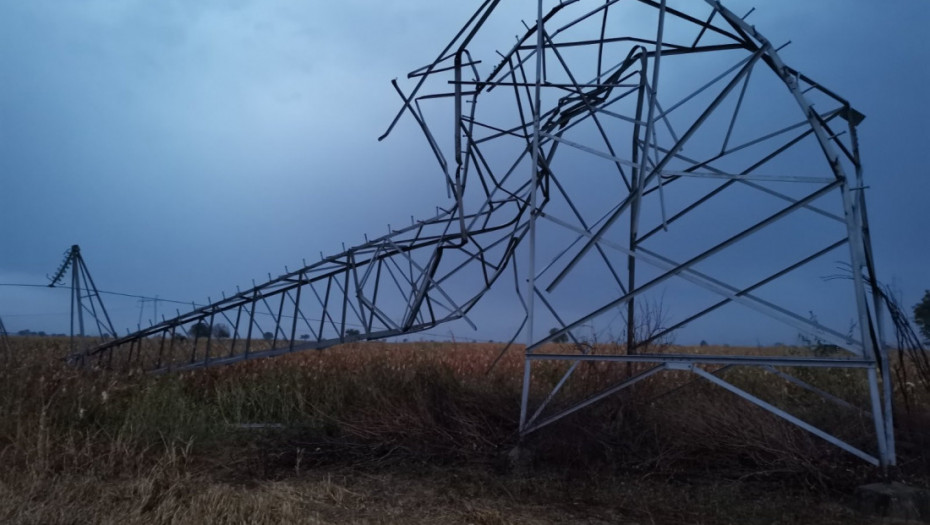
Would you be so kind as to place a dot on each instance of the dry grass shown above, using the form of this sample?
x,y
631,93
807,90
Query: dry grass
x,y
446,496
415,433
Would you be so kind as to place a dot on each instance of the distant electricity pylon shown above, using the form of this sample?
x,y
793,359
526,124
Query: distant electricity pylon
x,y
4,341
85,299
616,150
142,303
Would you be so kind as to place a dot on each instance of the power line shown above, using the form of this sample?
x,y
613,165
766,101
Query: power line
x,y
44,314
133,296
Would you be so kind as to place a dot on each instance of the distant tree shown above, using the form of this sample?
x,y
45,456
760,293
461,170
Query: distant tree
x,y
30,332
199,329
703,342
221,331
352,334
305,336
562,338
268,336
922,315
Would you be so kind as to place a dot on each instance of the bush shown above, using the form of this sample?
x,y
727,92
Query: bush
x,y
221,331
199,329
922,316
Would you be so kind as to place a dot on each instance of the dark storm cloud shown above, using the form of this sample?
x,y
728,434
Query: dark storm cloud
x,y
192,146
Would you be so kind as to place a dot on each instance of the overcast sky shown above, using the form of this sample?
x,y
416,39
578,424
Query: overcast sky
x,y
190,147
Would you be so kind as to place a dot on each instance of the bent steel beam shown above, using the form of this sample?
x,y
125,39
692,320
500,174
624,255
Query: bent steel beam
x,y
628,163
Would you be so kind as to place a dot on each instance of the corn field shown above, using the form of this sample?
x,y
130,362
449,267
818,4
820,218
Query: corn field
x,y
294,437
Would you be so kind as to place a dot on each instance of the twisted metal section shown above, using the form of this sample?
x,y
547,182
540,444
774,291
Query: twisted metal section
x,y
589,158
390,286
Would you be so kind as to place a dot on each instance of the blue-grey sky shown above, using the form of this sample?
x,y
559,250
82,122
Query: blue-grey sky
x,y
190,147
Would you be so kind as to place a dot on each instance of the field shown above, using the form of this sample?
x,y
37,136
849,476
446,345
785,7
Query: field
x,y
419,433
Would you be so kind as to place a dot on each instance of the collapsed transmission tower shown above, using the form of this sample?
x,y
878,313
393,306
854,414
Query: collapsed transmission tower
x,y
85,300
616,150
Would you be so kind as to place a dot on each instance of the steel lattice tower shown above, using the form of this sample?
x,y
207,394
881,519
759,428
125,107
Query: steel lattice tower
x,y
85,301
616,149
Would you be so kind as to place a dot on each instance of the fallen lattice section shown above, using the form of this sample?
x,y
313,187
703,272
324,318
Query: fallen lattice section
x,y
615,152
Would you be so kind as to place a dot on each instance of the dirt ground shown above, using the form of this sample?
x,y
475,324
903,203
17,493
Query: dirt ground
x,y
415,493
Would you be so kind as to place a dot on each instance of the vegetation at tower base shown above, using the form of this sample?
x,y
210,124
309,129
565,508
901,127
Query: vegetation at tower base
x,y
416,432
922,316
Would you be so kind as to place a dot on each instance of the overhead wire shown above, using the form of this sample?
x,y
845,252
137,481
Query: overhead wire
x,y
121,294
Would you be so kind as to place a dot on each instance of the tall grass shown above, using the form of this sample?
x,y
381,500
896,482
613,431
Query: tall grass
x,y
389,405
